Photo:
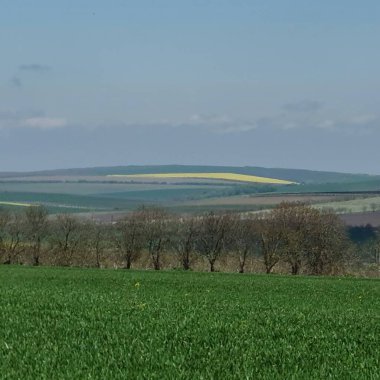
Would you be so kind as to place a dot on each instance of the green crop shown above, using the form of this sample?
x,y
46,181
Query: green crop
x,y
108,324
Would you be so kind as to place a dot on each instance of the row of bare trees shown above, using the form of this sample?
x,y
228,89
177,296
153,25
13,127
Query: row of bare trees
x,y
303,238
16,229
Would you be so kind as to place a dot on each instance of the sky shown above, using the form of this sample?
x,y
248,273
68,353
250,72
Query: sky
x,y
273,83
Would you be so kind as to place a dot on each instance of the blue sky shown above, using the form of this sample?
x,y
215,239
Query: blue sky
x,y
282,83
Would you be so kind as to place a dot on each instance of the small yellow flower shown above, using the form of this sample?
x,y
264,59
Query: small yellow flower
x,y
137,285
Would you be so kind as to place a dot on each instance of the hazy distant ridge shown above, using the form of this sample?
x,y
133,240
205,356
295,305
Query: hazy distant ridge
x,y
298,175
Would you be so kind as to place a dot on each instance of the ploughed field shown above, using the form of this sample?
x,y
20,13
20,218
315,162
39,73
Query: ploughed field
x,y
362,218
97,324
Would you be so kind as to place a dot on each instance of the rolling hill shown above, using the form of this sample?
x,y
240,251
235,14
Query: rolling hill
x,y
181,188
293,175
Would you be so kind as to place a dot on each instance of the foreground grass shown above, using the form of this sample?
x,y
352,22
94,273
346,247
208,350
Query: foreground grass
x,y
103,324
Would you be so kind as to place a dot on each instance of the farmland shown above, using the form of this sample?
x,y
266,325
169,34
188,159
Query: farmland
x,y
208,176
267,199
354,205
293,175
78,323
362,218
113,191
16,204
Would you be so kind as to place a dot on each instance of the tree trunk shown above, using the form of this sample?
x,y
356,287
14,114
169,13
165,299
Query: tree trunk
x,y
128,263
186,263
212,267
36,261
241,264
295,268
156,262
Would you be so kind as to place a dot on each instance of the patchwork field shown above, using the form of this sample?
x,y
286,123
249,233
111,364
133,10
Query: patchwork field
x,y
97,324
307,177
98,192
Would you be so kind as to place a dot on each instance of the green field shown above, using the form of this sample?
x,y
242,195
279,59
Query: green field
x,y
92,190
103,324
113,200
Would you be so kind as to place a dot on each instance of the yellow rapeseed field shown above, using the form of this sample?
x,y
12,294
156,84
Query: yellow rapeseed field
x,y
220,176
15,204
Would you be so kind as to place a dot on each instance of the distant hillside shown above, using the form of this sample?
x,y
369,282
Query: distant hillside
x,y
297,175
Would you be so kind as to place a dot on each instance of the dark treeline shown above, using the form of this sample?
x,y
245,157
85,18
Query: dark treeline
x,y
293,238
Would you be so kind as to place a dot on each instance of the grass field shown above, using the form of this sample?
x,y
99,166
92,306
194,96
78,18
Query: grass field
x,y
355,205
103,324
77,197
235,177
372,184
91,188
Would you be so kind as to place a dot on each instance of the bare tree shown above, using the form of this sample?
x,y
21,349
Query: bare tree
x,y
212,235
369,251
12,241
35,230
129,236
375,252
271,241
296,221
66,238
328,244
4,221
244,240
184,235
97,239
14,246
156,234
301,235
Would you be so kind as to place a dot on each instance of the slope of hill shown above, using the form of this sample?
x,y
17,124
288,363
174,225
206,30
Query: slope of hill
x,y
92,190
295,175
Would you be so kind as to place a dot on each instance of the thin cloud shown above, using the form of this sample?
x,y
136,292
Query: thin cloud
x,y
219,123
286,121
16,82
29,119
45,122
303,106
34,67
